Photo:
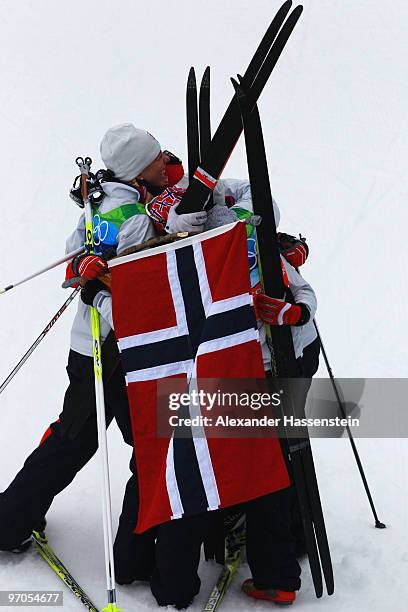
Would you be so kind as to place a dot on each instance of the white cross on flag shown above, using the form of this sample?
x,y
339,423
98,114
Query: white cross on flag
x,y
184,311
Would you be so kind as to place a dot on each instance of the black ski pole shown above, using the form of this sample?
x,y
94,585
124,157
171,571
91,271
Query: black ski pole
x,y
38,340
378,523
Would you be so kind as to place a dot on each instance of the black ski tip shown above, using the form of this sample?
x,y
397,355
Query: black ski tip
x,y
206,77
281,14
380,525
191,81
236,86
205,83
240,79
239,92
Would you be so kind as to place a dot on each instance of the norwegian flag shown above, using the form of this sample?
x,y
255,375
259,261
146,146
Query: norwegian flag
x,y
184,311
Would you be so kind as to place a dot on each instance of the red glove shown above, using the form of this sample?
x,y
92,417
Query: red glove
x,y
89,267
278,312
71,279
294,250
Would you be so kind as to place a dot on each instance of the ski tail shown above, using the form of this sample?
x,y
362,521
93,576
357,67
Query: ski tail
x,y
318,522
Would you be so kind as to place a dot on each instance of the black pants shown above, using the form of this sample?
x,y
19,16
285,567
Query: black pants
x,y
310,359
52,466
168,555
271,543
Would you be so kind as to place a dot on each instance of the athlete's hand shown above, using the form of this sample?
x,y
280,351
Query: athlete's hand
x,y
89,267
278,312
189,222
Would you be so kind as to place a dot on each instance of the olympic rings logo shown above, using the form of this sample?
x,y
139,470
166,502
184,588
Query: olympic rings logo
x,y
252,254
101,229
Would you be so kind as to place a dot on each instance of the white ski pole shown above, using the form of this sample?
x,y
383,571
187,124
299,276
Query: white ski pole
x,y
84,166
46,269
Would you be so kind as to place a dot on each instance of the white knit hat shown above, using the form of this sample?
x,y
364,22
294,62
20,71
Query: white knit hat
x,y
128,151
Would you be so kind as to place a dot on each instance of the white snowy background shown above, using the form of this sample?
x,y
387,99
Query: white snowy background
x,y
335,119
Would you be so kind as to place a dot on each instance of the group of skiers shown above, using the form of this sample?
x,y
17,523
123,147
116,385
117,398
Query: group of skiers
x,y
137,200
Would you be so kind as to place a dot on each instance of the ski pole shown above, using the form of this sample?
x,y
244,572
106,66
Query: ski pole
x,y
378,523
84,166
46,269
38,340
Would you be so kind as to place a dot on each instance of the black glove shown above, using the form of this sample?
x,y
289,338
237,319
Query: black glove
x,y
90,289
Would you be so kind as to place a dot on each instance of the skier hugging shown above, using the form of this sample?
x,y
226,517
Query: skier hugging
x,y
135,199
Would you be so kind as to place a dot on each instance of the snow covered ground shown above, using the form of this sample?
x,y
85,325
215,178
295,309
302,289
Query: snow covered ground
x,y
335,120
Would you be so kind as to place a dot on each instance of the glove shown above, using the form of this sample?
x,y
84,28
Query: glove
x,y
278,312
71,279
189,222
89,266
90,290
219,215
294,250
95,191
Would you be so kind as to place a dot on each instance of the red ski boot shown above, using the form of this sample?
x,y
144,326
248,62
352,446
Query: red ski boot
x,y
281,598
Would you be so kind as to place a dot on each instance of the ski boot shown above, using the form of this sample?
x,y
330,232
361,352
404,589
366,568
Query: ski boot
x,y
21,548
276,596
41,525
25,544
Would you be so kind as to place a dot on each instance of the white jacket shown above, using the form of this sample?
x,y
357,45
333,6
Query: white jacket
x,y
134,230
240,190
301,290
